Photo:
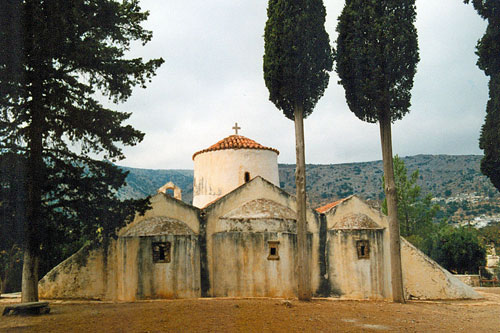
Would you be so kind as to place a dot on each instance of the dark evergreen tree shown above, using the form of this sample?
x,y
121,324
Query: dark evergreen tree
x,y
488,50
457,249
376,57
54,56
297,60
12,198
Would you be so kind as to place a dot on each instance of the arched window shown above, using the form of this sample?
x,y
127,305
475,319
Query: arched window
x,y
247,177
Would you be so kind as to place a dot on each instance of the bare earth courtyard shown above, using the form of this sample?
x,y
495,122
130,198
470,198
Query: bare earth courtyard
x,y
276,315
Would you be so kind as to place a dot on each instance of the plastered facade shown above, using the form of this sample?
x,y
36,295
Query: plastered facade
x,y
224,250
239,239
423,278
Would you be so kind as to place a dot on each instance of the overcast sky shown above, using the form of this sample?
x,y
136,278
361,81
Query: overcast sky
x,y
212,77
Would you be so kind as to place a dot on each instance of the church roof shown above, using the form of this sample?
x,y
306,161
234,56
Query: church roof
x,y
235,142
157,226
327,207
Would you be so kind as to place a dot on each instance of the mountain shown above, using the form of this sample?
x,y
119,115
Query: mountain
x,y
447,177
444,176
144,182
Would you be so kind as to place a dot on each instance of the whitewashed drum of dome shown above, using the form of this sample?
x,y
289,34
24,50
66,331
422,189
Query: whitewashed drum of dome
x,y
230,163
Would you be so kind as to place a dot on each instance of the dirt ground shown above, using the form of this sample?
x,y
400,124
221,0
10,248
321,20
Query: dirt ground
x,y
268,315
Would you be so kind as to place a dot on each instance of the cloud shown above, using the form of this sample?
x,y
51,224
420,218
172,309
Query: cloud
x,y
212,77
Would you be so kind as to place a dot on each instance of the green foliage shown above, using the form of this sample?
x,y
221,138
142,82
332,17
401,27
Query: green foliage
x,y
489,141
376,56
488,50
491,235
457,249
54,56
297,54
415,212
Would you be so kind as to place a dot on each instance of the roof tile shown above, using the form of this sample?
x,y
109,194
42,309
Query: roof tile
x,y
235,142
327,207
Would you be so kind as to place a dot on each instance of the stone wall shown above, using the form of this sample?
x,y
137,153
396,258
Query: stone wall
x,y
83,275
244,267
139,277
352,274
423,278
218,213
244,245
468,279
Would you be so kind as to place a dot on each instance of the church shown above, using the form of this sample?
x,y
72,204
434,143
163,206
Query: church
x,y
238,239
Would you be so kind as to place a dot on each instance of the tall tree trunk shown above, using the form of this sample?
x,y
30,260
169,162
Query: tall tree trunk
x,y
29,285
303,265
392,209
32,226
35,177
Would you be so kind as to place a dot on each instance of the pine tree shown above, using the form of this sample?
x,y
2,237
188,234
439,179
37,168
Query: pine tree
x,y
54,56
297,59
488,50
415,212
376,58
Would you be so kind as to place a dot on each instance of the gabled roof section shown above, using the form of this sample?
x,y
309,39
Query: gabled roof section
x,y
157,226
235,142
165,196
327,207
356,221
261,209
253,182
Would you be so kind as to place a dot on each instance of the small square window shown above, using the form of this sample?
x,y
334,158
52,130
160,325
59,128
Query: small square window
x,y
273,250
161,252
363,248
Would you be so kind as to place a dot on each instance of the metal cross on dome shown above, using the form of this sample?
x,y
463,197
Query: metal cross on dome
x,y
236,128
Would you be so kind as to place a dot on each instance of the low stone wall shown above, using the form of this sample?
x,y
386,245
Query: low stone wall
x,y
469,279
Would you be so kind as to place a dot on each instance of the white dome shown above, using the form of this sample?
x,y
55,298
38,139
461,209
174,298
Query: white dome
x,y
228,164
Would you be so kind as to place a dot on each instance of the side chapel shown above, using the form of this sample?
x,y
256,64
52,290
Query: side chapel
x,y
238,239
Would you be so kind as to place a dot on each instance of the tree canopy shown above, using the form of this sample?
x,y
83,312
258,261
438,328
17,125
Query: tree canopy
x,y
297,55
55,55
457,249
488,50
376,56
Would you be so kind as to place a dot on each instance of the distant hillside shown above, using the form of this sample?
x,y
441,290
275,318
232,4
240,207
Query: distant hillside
x,y
443,175
144,182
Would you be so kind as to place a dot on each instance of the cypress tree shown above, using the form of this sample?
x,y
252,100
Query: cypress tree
x,y
488,50
376,58
54,56
297,59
